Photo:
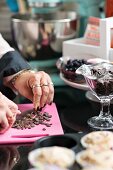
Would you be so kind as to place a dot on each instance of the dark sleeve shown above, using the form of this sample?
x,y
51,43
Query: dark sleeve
x,y
11,63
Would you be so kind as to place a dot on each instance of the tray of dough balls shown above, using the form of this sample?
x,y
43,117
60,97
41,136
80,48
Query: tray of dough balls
x,y
74,151
68,66
97,153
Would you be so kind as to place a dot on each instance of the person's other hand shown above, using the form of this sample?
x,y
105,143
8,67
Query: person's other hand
x,y
8,111
37,87
9,156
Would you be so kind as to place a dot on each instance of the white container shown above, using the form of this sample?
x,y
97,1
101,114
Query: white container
x,y
77,47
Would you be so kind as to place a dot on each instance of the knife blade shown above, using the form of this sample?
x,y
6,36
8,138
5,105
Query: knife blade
x,y
29,135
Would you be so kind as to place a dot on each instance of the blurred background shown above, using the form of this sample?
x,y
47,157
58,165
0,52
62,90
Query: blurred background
x,y
83,8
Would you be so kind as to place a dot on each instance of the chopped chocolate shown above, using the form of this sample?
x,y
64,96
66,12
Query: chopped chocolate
x,y
31,119
46,114
101,82
44,129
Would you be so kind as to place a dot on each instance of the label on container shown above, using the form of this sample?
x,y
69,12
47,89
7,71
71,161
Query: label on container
x,y
92,34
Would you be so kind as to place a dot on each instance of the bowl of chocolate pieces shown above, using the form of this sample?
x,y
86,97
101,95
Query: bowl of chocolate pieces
x,y
68,67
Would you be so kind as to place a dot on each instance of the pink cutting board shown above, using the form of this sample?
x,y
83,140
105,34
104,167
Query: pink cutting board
x,y
55,128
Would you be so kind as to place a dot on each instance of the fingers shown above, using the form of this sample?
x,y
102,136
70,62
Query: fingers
x,y
4,123
45,90
14,156
15,111
7,118
42,88
8,111
11,116
34,83
51,91
11,105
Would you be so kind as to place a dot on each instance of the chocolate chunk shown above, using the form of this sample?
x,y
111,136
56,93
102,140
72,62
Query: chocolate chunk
x,y
44,129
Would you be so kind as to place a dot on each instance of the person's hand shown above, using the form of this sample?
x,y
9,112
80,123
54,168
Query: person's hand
x,y
8,111
37,87
9,156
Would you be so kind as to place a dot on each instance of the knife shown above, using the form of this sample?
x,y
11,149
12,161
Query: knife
x,y
29,135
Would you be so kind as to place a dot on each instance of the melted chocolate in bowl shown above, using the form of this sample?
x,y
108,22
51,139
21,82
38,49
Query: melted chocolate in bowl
x,y
31,118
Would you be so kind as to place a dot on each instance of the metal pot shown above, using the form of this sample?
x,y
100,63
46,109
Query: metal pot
x,y
40,36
